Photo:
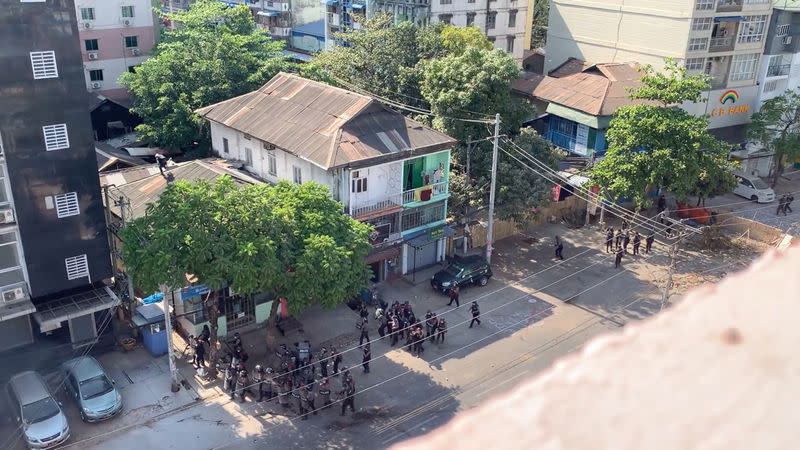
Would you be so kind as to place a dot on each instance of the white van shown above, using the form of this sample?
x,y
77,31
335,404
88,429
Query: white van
x,y
753,188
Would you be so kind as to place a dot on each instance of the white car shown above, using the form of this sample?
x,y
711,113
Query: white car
x,y
753,188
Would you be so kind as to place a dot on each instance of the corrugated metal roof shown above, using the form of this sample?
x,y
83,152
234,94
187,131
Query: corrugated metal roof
x,y
148,189
326,125
598,89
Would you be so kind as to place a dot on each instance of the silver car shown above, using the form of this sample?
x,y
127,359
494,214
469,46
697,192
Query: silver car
x,y
92,389
39,414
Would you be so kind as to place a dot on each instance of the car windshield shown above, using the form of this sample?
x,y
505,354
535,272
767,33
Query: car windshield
x,y
39,411
454,269
95,387
759,184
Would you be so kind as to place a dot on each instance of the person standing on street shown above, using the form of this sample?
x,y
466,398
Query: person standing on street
x,y
323,362
367,357
241,385
325,392
337,359
382,318
781,206
258,380
454,296
348,391
395,326
429,323
364,332
789,200
442,330
476,314
648,243
626,240
199,353
637,241
618,238
609,239
618,258
559,249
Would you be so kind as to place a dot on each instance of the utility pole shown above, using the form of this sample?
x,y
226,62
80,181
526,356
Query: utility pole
x,y
466,204
123,204
673,253
173,370
490,230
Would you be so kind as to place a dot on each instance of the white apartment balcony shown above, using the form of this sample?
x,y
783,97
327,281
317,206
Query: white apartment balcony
x,y
411,198
723,36
729,5
717,69
779,70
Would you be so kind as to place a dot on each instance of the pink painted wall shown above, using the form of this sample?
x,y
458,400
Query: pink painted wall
x,y
111,42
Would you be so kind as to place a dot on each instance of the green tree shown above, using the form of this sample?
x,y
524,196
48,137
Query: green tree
x,y
655,143
777,127
288,239
215,53
541,12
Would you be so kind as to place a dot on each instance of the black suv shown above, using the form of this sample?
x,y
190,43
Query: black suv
x,y
469,269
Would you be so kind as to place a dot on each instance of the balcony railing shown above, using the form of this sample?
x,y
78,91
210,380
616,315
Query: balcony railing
x,y
729,5
424,193
393,202
721,44
779,70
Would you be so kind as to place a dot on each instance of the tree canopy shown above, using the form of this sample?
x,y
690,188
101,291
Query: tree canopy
x,y
214,53
655,143
289,239
777,127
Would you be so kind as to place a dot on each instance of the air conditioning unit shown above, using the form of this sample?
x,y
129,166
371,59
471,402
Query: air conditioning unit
x,y
135,51
6,216
787,40
11,295
126,22
96,85
87,25
93,55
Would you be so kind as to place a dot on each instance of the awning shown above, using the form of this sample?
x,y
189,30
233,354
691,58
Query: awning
x,y
268,13
382,255
330,2
12,310
596,122
50,315
148,314
728,19
430,236
298,56
357,6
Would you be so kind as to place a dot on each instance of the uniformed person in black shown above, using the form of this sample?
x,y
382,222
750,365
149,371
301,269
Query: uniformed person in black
x,y
637,241
609,239
476,314
648,243
618,257
348,391
626,240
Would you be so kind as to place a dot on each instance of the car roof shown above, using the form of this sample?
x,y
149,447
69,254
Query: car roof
x,y
84,368
28,387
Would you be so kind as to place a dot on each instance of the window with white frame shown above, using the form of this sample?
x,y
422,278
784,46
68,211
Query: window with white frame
x,y
87,13
743,67
359,183
701,23
771,85
704,5
248,156
751,28
127,11
782,30
297,175
77,267
67,204
698,44
272,163
11,271
44,65
694,64
55,137
4,200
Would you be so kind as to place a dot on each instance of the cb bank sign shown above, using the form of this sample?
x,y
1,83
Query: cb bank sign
x,y
730,105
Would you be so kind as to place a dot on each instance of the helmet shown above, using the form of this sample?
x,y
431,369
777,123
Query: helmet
x,y
259,368
236,335
243,372
269,370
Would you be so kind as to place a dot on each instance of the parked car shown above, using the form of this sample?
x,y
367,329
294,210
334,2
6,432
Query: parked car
x,y
472,269
43,421
753,188
94,392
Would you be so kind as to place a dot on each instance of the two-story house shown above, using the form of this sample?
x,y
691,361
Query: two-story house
x,y
385,168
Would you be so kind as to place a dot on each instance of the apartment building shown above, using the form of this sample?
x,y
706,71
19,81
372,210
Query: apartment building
x,y
386,169
779,70
115,36
53,244
505,22
722,38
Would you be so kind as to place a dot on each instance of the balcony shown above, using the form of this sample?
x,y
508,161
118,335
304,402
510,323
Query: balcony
x,y
425,193
729,5
721,44
395,202
390,205
778,70
413,219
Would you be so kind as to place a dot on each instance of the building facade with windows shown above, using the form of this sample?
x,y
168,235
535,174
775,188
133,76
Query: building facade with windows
x,y
385,169
721,38
505,22
54,252
115,36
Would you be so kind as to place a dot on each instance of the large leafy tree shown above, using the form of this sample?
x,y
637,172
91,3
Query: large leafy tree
x,y
777,127
288,239
541,12
655,143
216,52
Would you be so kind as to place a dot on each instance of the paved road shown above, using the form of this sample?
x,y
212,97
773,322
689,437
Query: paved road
x,y
526,326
